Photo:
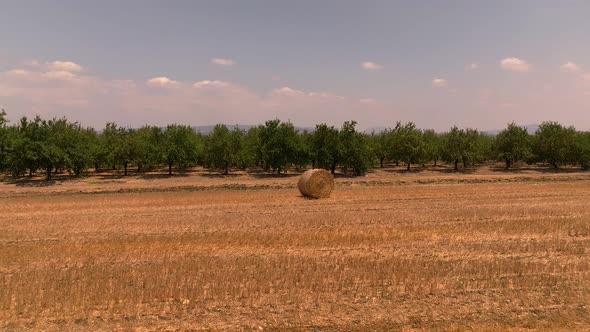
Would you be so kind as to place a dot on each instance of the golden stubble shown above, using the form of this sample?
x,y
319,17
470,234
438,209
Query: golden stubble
x,y
440,255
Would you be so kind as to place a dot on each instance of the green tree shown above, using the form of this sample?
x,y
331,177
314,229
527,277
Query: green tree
x,y
42,144
513,144
65,137
325,147
555,144
20,155
5,142
475,147
252,147
583,149
432,145
181,146
224,148
355,153
81,148
122,147
454,146
394,143
303,152
109,142
487,146
379,145
410,145
27,147
279,145
148,144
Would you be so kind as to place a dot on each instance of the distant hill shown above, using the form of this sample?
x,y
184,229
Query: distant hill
x,y
205,130
531,129
208,129
375,130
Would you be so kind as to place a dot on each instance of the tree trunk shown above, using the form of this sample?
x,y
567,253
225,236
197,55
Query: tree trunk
x,y
125,167
381,162
226,170
49,173
435,161
169,168
96,167
333,169
397,163
507,163
30,172
77,170
456,164
408,168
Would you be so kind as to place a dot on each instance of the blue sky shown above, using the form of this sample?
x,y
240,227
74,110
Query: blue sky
x,y
438,63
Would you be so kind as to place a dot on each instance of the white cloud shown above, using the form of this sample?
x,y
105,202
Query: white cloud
x,y
63,66
53,66
211,84
93,100
51,93
223,62
515,64
570,67
439,83
40,76
161,81
471,67
32,63
371,65
18,72
59,75
312,107
287,91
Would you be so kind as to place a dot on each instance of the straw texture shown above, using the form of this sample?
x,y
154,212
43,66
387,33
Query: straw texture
x,y
316,183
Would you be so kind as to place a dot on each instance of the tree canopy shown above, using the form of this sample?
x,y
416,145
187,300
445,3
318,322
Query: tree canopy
x,y
58,145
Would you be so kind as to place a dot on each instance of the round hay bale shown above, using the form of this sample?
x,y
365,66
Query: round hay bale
x,y
316,183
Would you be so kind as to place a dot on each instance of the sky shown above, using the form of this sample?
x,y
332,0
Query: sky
x,y
478,64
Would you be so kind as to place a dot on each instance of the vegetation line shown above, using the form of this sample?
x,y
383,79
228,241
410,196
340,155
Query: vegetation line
x,y
58,146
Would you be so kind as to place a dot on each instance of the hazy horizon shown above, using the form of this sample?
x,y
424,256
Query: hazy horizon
x,y
463,63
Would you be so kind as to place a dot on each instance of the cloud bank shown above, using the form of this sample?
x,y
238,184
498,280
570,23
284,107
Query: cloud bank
x,y
372,66
223,62
65,88
570,67
61,89
439,83
515,65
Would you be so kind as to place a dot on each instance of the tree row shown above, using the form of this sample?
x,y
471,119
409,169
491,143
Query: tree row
x,y
58,145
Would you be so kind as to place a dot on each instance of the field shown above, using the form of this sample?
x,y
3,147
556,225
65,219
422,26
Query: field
x,y
431,250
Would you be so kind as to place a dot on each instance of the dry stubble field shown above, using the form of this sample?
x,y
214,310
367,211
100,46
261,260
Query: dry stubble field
x,y
390,251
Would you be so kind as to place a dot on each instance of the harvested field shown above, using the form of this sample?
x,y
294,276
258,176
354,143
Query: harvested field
x,y
484,252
